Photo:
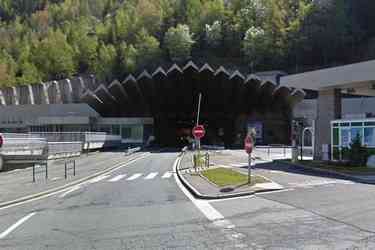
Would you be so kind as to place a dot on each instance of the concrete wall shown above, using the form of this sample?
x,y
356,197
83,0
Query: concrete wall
x,y
54,92
350,106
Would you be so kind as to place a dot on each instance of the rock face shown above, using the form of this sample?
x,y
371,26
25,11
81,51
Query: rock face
x,y
371,161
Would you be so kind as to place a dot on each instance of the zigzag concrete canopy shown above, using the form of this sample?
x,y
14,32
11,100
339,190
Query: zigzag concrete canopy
x,y
175,90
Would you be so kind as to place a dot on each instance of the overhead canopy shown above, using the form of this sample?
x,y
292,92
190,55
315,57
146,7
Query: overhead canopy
x,y
175,90
358,78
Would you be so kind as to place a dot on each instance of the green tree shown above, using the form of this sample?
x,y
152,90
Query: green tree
x,y
53,56
214,34
128,58
28,73
179,42
256,45
148,50
107,55
7,69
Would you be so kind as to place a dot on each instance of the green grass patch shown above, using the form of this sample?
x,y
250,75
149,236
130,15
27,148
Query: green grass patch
x,y
338,167
224,177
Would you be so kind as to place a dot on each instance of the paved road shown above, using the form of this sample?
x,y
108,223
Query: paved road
x,y
141,206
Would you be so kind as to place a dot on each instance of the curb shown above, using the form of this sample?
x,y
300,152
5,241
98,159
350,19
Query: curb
x,y
330,172
60,188
197,194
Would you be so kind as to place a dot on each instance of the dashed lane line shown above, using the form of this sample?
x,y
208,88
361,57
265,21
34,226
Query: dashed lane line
x,y
99,178
134,176
151,176
117,178
167,175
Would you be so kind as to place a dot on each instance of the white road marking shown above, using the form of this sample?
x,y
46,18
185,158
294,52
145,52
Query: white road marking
x,y
134,176
313,183
151,176
75,188
209,211
167,175
15,225
117,178
99,178
120,165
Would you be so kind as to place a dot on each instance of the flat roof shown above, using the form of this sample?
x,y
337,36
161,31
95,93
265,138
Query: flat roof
x,y
351,75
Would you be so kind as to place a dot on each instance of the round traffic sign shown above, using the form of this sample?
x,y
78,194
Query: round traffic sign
x,y
249,144
199,132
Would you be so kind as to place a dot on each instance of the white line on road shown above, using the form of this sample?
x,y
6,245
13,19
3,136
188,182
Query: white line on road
x,y
15,225
117,178
209,211
99,178
167,175
134,176
118,166
151,176
75,188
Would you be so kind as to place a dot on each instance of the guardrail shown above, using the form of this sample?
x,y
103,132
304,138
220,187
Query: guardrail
x,y
275,149
90,140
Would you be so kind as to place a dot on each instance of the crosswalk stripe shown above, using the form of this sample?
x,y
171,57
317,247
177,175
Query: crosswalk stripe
x,y
134,176
167,175
151,176
117,178
99,178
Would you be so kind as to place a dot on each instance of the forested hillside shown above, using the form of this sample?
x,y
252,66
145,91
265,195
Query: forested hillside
x,y
53,39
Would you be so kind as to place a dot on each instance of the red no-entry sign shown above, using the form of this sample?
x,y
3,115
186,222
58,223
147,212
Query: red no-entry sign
x,y
249,144
198,132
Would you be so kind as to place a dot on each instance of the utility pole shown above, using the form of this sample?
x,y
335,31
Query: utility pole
x,y
197,123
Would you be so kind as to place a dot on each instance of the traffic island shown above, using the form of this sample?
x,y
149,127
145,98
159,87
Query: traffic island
x,y
219,182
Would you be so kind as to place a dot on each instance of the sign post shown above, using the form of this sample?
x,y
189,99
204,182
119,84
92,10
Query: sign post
x,y
249,145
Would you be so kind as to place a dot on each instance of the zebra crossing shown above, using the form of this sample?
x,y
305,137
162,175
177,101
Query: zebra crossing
x,y
320,182
132,177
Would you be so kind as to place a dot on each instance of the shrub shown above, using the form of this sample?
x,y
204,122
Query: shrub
x,y
357,153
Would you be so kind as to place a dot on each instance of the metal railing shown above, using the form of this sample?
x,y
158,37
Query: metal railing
x,y
89,140
278,149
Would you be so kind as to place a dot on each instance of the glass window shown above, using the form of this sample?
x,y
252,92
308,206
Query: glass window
x,y
345,124
336,124
126,132
369,123
370,137
137,132
336,136
357,124
116,129
356,132
345,133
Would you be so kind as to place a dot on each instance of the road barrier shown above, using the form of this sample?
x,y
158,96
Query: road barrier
x,y
90,140
275,148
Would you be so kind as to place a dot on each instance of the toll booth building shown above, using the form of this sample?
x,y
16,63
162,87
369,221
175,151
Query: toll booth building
x,y
71,118
159,106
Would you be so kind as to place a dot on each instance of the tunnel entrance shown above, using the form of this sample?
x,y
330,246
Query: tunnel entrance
x,y
231,101
176,130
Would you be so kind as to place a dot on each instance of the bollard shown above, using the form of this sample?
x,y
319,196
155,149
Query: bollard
x,y
66,170
34,172
46,164
74,167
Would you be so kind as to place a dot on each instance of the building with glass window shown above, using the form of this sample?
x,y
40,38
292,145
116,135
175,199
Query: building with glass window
x,y
344,132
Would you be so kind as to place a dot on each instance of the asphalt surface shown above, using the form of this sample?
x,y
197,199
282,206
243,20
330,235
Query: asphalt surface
x,y
152,212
